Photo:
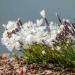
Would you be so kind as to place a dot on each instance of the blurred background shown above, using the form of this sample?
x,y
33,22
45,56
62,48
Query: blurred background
x,y
30,10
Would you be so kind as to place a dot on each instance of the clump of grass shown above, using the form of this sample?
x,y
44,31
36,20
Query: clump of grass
x,y
40,53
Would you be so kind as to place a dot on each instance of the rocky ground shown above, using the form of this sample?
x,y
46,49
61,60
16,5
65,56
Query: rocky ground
x,y
20,67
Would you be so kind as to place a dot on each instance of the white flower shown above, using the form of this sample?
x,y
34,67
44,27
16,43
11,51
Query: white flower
x,y
52,48
39,22
29,33
64,20
68,41
43,52
58,48
30,39
67,20
58,31
43,14
61,27
17,45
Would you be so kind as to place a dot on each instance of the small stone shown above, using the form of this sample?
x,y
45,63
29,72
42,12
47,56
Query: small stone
x,y
33,71
48,72
50,66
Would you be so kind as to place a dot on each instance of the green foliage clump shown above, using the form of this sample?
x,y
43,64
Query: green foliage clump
x,y
40,53
14,55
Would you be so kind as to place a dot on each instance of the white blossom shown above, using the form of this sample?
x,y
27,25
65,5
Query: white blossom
x,y
30,33
43,52
58,48
43,14
61,27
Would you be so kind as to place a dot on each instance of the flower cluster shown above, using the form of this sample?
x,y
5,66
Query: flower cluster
x,y
18,35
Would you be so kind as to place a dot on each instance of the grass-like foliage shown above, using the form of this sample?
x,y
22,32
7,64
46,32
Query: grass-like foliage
x,y
39,53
